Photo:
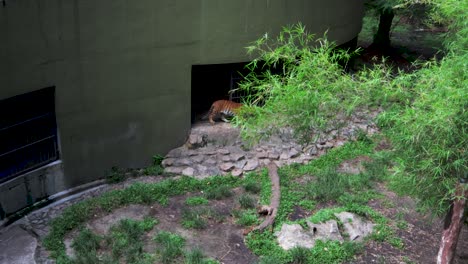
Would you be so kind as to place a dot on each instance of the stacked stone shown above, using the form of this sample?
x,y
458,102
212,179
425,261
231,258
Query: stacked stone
x,y
219,150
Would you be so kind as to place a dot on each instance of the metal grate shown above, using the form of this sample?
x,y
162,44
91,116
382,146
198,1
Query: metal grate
x,y
235,95
28,132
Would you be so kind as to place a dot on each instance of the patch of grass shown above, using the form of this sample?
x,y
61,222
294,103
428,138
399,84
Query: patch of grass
x,y
196,256
329,185
125,239
334,252
115,175
193,219
75,215
307,204
171,247
86,245
246,201
247,218
197,218
300,255
153,170
253,187
196,200
219,192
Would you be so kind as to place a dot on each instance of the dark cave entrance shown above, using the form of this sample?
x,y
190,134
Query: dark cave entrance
x,y
213,82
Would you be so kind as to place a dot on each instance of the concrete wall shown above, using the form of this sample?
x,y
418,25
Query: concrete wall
x,y
122,68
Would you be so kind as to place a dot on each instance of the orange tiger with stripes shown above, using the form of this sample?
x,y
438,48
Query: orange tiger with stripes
x,y
223,108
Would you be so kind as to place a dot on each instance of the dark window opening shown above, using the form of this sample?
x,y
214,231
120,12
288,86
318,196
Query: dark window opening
x,y
214,82
28,132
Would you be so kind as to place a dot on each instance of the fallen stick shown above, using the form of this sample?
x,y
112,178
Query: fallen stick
x,y
272,209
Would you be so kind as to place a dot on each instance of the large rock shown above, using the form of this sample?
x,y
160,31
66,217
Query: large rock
x,y
325,231
294,235
17,246
356,228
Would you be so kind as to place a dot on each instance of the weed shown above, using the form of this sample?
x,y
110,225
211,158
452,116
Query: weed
x,y
153,170
396,242
247,218
252,187
193,218
115,175
86,245
219,193
157,160
171,246
197,217
125,238
196,200
194,256
307,204
329,185
246,201
300,255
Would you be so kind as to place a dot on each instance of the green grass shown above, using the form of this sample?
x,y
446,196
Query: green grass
x,y
219,192
246,201
247,217
124,240
252,187
196,200
86,245
138,193
171,247
198,217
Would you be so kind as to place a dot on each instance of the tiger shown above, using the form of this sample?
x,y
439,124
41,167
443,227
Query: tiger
x,y
223,108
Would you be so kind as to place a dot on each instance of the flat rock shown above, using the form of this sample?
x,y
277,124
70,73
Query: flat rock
x,y
240,164
237,156
273,155
251,165
237,172
17,246
176,170
188,171
223,151
356,228
168,162
226,166
198,158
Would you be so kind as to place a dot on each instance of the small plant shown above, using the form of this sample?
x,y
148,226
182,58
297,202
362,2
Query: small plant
x,y
196,200
197,217
86,245
329,185
253,187
115,175
247,218
307,204
193,219
125,238
171,246
300,255
157,160
219,193
246,201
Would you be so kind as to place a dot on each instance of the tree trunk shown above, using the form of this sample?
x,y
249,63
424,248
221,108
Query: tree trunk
x,y
452,226
382,37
